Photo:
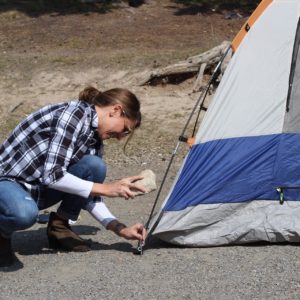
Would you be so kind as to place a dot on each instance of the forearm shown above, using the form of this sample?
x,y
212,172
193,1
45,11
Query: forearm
x,y
73,185
99,189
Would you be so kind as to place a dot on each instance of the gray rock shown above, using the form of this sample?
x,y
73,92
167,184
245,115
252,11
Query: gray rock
x,y
149,182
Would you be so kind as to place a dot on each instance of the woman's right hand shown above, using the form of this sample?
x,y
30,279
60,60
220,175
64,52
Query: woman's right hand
x,y
134,232
126,188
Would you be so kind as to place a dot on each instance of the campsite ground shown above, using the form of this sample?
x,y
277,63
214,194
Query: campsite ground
x,y
48,56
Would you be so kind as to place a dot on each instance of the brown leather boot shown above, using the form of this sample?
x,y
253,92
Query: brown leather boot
x,y
61,236
7,257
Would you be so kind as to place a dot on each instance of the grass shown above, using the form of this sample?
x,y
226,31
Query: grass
x,y
65,60
178,115
10,120
74,42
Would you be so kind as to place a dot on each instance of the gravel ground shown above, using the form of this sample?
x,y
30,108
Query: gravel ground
x,y
112,271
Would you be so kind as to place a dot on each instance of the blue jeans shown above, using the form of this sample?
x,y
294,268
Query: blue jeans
x,y
19,211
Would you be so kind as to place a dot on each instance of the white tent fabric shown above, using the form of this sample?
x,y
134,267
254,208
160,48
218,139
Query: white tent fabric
x,y
267,46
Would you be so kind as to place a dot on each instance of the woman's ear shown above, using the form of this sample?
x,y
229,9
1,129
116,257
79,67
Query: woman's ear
x,y
116,110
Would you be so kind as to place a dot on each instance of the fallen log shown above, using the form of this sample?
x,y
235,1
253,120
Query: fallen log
x,y
193,65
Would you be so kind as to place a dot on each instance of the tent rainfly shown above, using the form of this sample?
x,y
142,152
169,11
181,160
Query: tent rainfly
x,y
240,182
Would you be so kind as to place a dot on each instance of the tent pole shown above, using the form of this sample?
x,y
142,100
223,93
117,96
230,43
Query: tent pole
x,y
199,103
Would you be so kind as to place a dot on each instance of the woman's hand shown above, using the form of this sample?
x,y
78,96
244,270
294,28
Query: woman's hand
x,y
134,232
122,188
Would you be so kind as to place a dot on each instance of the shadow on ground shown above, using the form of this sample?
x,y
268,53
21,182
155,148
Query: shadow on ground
x,y
194,7
34,242
35,8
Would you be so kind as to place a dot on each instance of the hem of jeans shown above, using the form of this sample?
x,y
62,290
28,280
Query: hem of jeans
x,y
66,215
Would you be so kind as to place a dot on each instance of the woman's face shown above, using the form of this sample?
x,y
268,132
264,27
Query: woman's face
x,y
113,123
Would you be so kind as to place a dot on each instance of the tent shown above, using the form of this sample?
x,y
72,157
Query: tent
x,y
240,182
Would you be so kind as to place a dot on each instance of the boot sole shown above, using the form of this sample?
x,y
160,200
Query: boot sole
x,y
59,245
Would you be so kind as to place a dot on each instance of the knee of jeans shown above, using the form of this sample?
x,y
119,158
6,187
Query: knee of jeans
x,y
26,215
97,168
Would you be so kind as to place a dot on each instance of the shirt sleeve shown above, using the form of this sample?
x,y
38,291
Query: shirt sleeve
x,y
100,212
73,185
64,132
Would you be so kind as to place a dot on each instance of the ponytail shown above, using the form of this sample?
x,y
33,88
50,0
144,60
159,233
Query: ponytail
x,y
89,94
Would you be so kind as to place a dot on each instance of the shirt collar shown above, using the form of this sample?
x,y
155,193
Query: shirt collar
x,y
94,117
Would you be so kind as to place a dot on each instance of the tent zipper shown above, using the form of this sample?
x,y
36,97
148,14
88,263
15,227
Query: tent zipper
x,y
281,189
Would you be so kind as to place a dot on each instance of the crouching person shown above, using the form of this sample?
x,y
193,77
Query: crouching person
x,y
53,156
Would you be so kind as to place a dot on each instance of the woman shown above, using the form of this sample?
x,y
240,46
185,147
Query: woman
x,y
55,155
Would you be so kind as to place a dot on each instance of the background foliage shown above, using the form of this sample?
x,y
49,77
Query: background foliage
x,y
37,7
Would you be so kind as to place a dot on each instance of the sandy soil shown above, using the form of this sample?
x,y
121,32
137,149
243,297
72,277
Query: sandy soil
x,y
49,56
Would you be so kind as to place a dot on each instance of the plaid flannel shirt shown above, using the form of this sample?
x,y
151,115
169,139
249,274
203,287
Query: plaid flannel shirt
x,y
40,149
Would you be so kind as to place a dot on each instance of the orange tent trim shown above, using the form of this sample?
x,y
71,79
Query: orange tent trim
x,y
246,27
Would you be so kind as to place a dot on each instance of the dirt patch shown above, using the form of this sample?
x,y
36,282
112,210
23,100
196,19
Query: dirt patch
x,y
51,56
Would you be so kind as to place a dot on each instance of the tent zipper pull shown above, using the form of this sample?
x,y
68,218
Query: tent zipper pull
x,y
280,191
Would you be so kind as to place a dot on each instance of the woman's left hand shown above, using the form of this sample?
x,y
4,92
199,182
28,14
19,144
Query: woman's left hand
x,y
134,232
131,186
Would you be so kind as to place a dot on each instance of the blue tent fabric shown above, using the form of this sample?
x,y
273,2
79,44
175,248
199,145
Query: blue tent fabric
x,y
238,170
